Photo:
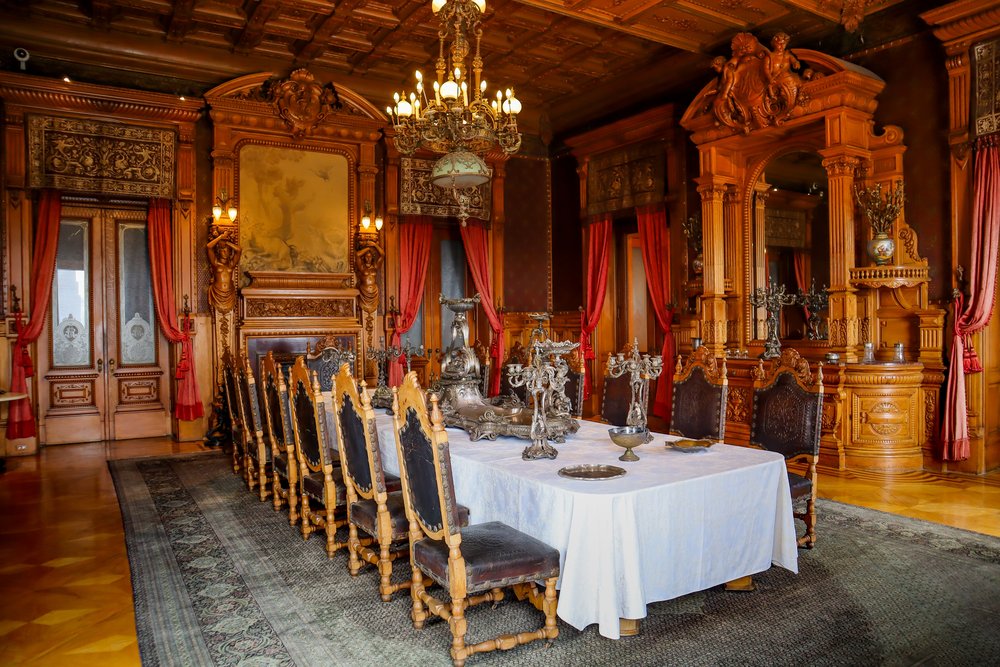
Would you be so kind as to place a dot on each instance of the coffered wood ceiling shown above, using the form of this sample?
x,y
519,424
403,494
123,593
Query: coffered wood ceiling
x,y
571,61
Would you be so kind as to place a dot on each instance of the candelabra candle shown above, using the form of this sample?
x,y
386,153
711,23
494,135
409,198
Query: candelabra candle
x,y
772,299
641,369
545,380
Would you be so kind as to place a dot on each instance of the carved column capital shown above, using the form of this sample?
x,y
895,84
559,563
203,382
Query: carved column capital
x,y
712,192
841,166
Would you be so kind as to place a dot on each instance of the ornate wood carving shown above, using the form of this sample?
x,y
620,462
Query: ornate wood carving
x,y
986,101
71,393
300,307
757,87
97,157
302,102
626,178
138,391
738,404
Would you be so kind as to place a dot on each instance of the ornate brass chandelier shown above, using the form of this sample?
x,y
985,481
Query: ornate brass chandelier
x,y
459,118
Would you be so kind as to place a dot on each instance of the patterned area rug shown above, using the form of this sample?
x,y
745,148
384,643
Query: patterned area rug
x,y
221,578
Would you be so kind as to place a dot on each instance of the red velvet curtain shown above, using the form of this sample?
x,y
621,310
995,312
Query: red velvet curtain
x,y
476,240
973,315
20,419
598,244
188,405
800,262
654,237
415,235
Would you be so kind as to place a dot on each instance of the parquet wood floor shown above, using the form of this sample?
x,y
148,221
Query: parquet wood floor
x,y
65,591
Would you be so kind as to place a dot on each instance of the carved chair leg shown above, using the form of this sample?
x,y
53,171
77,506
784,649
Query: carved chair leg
x,y
276,485
353,547
331,531
262,480
293,502
811,523
306,526
459,626
418,614
549,607
385,568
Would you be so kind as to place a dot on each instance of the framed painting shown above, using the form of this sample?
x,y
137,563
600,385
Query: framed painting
x,y
294,210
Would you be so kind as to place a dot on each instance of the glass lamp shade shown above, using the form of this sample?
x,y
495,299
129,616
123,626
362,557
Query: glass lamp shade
x,y
460,169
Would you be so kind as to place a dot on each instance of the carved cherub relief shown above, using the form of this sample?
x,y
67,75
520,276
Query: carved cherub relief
x,y
757,87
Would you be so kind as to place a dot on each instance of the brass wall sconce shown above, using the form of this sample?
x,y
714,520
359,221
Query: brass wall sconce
x,y
224,203
367,221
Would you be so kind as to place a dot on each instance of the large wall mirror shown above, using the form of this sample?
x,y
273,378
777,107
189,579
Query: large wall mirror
x,y
792,234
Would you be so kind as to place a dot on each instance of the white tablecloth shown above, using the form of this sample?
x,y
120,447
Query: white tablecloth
x,y
676,523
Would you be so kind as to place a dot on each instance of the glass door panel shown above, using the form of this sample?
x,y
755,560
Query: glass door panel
x,y
71,335
137,321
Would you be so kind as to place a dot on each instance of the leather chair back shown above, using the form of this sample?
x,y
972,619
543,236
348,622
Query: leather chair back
x,y
699,397
424,460
275,418
351,432
616,399
249,403
787,406
306,401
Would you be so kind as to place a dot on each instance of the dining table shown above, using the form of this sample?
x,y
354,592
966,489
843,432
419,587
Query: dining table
x,y
678,521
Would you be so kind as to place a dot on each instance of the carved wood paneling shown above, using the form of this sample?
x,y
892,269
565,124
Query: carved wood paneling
x,y
305,307
138,391
71,393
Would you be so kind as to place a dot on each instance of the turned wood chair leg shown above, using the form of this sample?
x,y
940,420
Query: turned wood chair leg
x,y
385,569
331,532
549,607
418,614
353,547
293,502
306,518
458,626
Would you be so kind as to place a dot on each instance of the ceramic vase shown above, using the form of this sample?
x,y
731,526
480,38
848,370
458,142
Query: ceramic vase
x,y
881,249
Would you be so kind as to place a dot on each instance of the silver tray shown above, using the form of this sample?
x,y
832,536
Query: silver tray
x,y
591,471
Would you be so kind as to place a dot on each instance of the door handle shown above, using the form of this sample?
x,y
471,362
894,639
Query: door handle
x,y
100,365
111,365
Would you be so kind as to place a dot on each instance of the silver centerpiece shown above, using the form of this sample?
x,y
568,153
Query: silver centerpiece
x,y
462,401
641,369
545,379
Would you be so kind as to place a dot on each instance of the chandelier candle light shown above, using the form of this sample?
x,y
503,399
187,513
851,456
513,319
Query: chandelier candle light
x,y
460,119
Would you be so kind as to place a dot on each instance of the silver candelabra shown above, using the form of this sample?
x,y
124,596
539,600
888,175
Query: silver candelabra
x,y
545,380
641,369
382,396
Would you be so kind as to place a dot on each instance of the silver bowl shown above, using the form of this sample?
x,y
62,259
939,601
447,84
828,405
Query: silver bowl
x,y
629,437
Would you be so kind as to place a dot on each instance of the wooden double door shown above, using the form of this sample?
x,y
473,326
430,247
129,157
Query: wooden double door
x,y
103,363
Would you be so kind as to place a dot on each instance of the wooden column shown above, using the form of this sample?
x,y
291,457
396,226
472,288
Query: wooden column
x,y
713,329
735,269
844,325
759,264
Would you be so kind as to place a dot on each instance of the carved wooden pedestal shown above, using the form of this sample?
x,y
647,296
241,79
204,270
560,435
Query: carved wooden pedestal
x,y
886,416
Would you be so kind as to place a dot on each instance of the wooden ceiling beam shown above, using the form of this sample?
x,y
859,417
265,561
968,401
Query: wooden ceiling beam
x,y
253,32
180,21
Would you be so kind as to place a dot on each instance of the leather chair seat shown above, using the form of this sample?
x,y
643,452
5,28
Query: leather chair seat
x,y
267,454
800,486
496,555
364,514
312,485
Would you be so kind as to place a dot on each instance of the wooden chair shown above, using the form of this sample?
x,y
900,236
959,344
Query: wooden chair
x,y
278,429
232,398
787,416
699,397
517,355
258,453
574,385
374,498
325,360
320,481
471,564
